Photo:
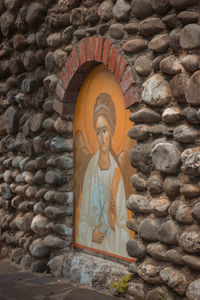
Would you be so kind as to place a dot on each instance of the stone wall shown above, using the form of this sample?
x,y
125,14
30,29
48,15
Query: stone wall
x,y
159,40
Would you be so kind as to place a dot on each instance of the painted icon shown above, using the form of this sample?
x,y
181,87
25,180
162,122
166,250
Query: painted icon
x,y
100,189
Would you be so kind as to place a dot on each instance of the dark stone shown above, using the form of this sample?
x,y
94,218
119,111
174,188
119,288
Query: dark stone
x,y
185,134
134,45
138,203
174,39
19,42
64,162
29,85
29,61
148,230
41,39
36,122
40,74
140,157
77,16
7,22
116,31
52,178
131,27
190,62
16,66
196,212
187,17
159,43
190,37
139,132
58,144
6,192
161,7
155,185
166,158
143,66
145,115
181,4
172,21
175,279
193,89
150,26
103,28
168,233
136,248
174,256
35,14
138,8
92,16
139,183
67,35
105,10
11,120
178,86
172,186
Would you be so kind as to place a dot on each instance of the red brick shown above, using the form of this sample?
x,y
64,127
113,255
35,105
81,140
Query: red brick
x,y
60,92
64,78
82,54
113,59
90,47
121,66
106,51
75,59
127,81
131,97
63,108
98,49
69,68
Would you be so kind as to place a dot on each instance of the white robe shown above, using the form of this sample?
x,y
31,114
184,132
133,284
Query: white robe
x,y
94,209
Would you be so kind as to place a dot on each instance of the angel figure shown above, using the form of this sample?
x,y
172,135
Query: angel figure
x,y
100,186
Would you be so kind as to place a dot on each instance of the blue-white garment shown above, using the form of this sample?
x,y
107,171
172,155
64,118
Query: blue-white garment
x,y
94,207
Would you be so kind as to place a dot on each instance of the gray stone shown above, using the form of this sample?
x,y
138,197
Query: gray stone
x,y
80,34
39,266
41,39
59,144
190,37
49,196
139,183
187,17
54,40
67,35
131,27
145,115
172,21
138,203
159,206
139,132
190,241
36,122
192,261
168,233
38,225
60,58
29,85
193,291
161,7
133,268
132,224
48,124
155,185
183,214
50,82
150,26
64,162
190,62
149,273
185,134
193,89
11,120
148,230
117,31
174,39
38,249
29,61
135,248
156,91
159,43
121,10
174,256
157,251
52,178
171,115
172,186
175,279
196,212
143,65
138,8
178,86
63,126
134,45
35,14
49,61
181,4
56,265
105,10
191,115
6,192
162,292
27,220
38,208
77,16
62,229
166,158
56,212
140,157
54,242
7,23
170,65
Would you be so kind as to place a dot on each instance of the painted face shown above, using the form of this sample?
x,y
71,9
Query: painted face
x,y
103,131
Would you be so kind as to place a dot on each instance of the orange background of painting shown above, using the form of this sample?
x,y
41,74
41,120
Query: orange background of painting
x,y
101,80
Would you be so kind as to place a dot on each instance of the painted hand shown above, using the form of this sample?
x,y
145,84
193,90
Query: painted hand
x,y
97,236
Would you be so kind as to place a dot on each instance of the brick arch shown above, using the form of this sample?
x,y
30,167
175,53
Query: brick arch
x,y
84,57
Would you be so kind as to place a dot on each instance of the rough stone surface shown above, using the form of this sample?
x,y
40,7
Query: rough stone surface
x,y
166,158
193,291
190,36
174,279
156,91
159,43
121,10
192,89
168,233
138,8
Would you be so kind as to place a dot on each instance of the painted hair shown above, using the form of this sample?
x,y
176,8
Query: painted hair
x,y
104,106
